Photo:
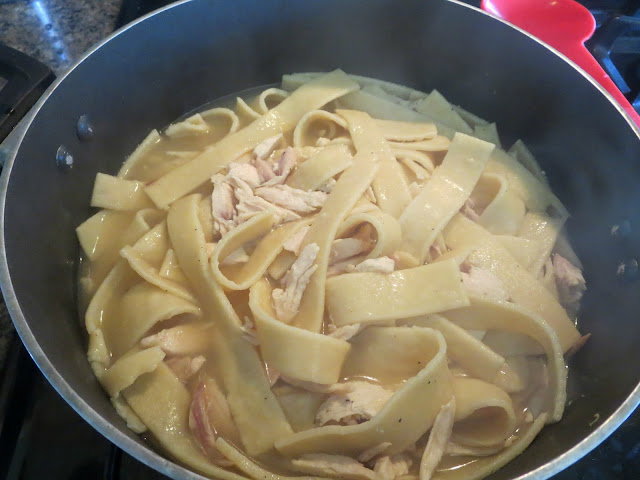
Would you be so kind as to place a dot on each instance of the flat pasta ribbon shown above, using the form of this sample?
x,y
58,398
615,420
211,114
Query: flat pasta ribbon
x,y
267,249
444,194
282,118
524,289
408,414
344,195
389,185
488,314
371,297
293,351
255,409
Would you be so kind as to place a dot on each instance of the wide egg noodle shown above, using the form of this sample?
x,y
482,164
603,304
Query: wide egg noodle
x,y
145,258
373,348
270,244
127,369
406,131
399,92
389,185
437,107
344,195
133,163
536,195
388,233
484,413
543,231
523,288
268,99
250,468
141,308
282,118
115,193
482,467
370,296
321,167
408,414
162,403
292,351
488,314
469,352
255,409
104,234
317,124
444,194
504,211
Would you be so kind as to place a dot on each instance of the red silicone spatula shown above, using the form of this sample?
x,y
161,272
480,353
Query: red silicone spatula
x,y
565,25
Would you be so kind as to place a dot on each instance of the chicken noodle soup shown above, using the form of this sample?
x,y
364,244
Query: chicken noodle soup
x,y
342,278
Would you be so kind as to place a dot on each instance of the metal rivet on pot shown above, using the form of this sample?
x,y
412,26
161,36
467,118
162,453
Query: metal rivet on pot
x,y
628,270
64,160
84,129
622,229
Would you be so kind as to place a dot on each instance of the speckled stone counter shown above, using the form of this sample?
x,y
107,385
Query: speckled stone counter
x,y
55,32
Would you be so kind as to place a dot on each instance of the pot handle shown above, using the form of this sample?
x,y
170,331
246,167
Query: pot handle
x,y
26,80
565,25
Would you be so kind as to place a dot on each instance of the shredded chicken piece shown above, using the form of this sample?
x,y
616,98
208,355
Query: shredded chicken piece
x,y
468,211
438,439
264,169
286,301
181,340
391,467
327,186
373,452
352,403
250,334
250,205
379,265
484,282
286,163
435,251
570,282
222,203
346,332
294,199
347,266
340,466
185,367
343,248
573,349
244,172
294,242
323,141
236,257
267,146
209,417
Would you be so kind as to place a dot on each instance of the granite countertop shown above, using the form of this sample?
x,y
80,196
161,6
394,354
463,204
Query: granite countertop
x,y
55,32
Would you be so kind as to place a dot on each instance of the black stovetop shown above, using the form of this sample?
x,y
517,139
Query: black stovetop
x,y
42,437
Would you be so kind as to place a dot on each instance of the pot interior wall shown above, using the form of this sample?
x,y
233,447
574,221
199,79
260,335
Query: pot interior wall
x,y
193,53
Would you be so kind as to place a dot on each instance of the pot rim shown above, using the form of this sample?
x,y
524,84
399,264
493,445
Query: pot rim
x,y
145,453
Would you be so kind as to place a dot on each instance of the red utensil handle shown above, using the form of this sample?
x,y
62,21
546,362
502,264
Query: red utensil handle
x,y
583,58
572,48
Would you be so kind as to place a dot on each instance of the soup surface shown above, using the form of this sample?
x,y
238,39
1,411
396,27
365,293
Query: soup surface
x,y
341,277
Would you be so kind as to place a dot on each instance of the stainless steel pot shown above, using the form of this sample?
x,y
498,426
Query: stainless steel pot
x,y
174,60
